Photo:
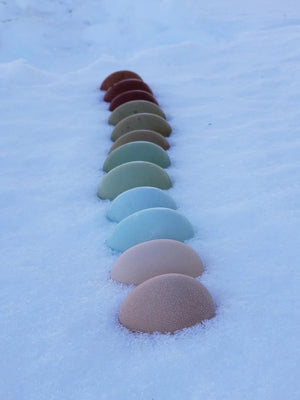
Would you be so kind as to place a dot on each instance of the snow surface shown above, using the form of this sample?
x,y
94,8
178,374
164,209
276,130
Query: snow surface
x,y
227,75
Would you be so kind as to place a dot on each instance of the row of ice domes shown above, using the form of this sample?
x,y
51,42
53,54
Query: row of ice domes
x,y
149,231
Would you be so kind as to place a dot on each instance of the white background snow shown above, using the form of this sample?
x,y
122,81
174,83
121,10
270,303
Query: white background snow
x,y
227,74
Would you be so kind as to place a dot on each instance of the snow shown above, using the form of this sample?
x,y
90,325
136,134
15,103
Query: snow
x,y
227,76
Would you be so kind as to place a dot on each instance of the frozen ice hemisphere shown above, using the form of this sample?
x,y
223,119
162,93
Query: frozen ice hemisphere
x,y
166,303
137,199
137,151
149,224
156,257
141,121
141,135
129,96
117,76
130,175
134,107
125,85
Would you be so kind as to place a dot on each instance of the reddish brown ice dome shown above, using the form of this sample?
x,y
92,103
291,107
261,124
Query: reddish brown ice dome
x,y
156,257
118,76
131,95
166,303
124,86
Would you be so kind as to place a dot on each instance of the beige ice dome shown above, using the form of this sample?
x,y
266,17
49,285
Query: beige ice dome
x,y
156,257
166,303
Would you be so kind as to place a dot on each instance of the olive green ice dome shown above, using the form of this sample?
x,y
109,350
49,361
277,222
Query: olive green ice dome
x,y
134,107
141,121
137,151
141,135
130,175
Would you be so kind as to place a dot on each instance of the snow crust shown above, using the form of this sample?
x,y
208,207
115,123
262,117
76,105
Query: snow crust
x,y
227,76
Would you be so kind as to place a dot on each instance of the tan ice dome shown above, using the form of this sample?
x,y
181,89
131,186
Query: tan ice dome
x,y
156,257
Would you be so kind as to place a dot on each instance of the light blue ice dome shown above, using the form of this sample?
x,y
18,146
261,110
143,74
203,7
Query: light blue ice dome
x,y
149,224
138,199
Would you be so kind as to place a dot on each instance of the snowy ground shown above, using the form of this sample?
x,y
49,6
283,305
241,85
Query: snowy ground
x,y
228,77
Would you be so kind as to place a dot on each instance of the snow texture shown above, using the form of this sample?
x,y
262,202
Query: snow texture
x,y
227,75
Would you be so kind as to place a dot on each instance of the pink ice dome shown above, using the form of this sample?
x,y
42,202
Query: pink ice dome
x,y
166,303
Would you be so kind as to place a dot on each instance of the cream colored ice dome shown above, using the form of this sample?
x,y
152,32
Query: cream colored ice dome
x,y
156,257
166,303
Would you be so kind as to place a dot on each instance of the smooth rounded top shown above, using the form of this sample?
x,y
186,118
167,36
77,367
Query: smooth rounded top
x,y
137,151
130,175
130,95
134,107
117,76
141,135
166,303
138,199
125,85
141,121
149,224
156,257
